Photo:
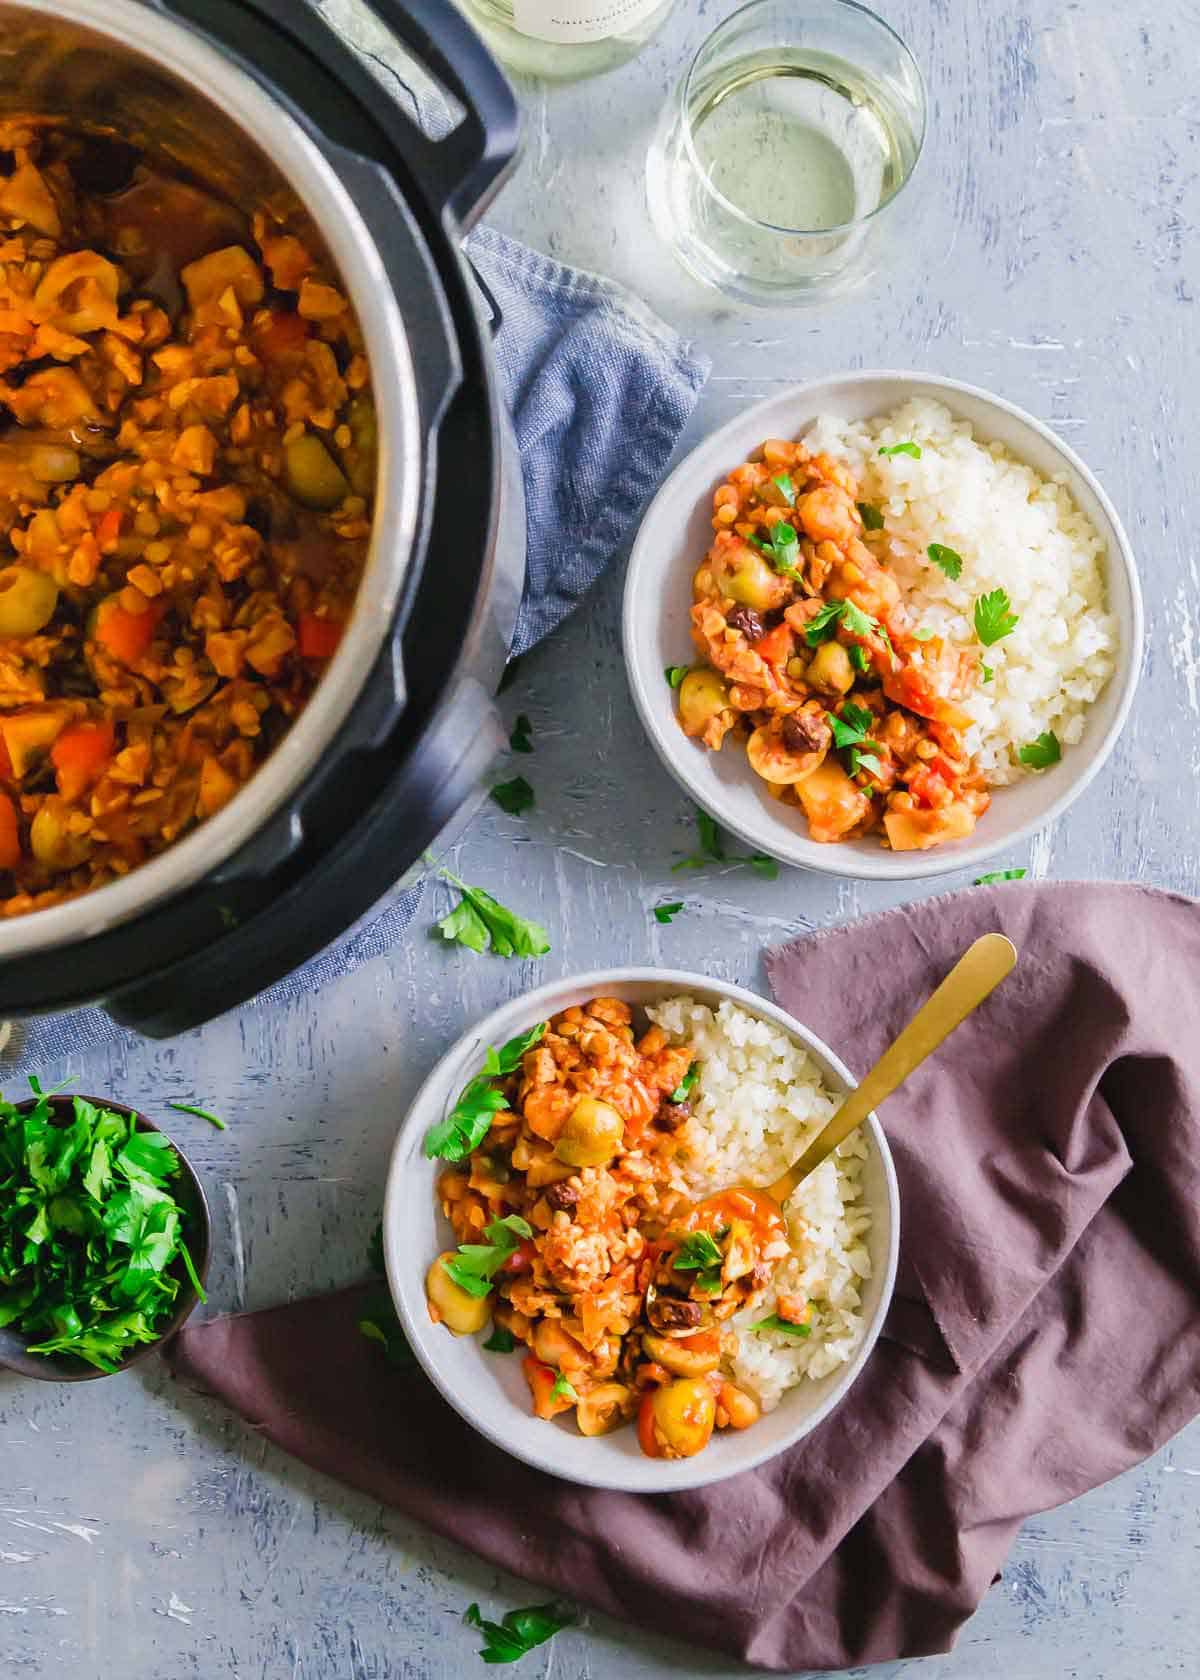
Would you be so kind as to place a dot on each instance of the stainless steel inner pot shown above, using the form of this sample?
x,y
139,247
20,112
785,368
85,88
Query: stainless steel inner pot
x,y
123,67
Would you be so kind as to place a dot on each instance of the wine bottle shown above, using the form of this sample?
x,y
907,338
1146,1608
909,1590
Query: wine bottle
x,y
565,39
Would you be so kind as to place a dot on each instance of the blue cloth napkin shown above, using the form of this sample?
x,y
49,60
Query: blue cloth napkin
x,y
599,390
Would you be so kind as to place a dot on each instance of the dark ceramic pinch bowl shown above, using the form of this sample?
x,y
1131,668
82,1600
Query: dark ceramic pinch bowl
x,y
189,1193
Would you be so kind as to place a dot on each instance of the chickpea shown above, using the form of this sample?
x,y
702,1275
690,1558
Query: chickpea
x,y
702,697
830,669
679,1360
735,1408
462,1314
591,1134
27,600
604,1408
676,1421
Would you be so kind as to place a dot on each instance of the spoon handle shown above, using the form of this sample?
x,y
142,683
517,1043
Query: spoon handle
x,y
976,973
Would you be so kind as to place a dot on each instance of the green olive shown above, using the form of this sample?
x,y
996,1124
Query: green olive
x,y
830,669
27,600
591,1134
753,584
312,475
702,697
51,841
359,459
680,1361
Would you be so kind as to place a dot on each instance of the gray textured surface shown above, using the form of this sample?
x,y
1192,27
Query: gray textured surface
x,y
148,1536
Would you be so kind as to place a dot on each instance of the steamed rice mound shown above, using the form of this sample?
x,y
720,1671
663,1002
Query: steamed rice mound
x,y
757,1102
1015,530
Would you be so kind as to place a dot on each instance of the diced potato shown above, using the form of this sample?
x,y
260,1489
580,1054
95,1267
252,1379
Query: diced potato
x,y
832,803
917,831
217,787
462,1314
29,734
207,277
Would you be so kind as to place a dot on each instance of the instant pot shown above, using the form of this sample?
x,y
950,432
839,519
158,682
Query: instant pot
x,y
258,100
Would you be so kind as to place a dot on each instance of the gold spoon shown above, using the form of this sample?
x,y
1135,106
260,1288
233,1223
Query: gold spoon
x,y
974,976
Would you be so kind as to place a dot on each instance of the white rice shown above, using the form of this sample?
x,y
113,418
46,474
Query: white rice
x,y
1016,531
757,1101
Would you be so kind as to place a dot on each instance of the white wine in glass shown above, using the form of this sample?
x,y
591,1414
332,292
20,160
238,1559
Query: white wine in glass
x,y
562,40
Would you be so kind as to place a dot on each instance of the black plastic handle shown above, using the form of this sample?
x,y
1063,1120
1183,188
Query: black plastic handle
x,y
468,166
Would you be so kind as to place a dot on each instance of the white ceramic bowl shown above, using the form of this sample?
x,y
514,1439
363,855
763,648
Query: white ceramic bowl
x,y
488,1389
677,531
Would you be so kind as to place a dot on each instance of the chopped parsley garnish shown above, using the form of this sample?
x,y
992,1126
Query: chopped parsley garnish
x,y
474,1265
712,850
999,875
994,617
698,1252
500,1340
782,1325
1043,752
203,1113
905,448
786,488
870,515
675,674
514,797
519,740
822,626
859,659
92,1250
665,913
867,761
519,1631
563,1389
782,550
851,728
922,635
988,673
946,560
683,1090
469,1121
481,923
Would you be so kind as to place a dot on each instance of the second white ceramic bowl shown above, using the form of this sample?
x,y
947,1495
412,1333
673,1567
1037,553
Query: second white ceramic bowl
x,y
488,1389
676,533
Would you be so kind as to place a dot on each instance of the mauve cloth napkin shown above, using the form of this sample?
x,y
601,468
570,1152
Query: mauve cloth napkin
x,y
1045,1332
599,390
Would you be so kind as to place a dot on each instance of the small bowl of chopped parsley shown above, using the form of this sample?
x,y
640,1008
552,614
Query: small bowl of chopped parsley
x,y
104,1237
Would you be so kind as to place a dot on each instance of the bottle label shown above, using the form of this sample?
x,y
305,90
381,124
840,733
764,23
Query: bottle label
x,y
580,20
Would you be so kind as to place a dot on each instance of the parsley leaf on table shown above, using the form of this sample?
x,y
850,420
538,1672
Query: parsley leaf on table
x,y
377,1319
712,849
473,1266
517,1633
519,740
905,448
481,922
946,560
999,875
783,1325
994,617
204,1114
1043,752
468,1122
665,913
515,797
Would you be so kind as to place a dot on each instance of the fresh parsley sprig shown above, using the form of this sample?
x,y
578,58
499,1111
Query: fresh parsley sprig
x,y
699,1252
994,617
481,923
473,1266
520,1631
664,913
823,625
946,560
712,850
377,1319
201,1113
1000,875
783,483
500,1340
1042,753
675,674
851,728
468,1122
684,1089
520,740
905,448
783,1326
782,550
515,797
